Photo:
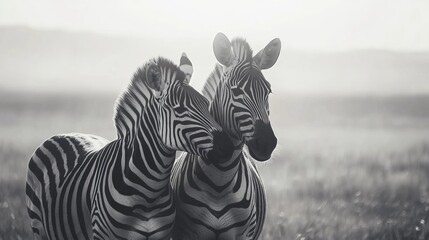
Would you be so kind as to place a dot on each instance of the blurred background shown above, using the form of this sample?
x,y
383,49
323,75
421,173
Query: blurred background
x,y
350,102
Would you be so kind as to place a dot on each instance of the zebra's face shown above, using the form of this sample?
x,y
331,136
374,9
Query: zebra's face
x,y
241,100
185,123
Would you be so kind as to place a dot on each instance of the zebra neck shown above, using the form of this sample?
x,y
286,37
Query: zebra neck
x,y
147,160
130,105
224,174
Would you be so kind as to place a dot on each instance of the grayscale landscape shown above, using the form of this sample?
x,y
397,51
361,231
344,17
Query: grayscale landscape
x,y
352,160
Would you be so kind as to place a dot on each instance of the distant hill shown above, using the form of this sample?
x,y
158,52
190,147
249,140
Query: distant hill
x,y
355,72
48,60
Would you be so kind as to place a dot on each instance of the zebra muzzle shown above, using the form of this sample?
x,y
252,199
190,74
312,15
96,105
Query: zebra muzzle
x,y
222,148
263,142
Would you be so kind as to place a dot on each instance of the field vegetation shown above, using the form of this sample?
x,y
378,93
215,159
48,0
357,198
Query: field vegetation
x,y
345,167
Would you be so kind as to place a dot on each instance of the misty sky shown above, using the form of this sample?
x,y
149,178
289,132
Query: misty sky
x,y
303,24
168,28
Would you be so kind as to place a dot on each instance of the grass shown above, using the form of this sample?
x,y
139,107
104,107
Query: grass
x,y
14,222
354,197
357,180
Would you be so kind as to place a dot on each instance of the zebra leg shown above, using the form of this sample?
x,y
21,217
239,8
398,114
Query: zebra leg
x,y
261,203
37,228
34,212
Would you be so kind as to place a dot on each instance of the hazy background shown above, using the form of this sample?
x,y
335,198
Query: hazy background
x,y
350,102
334,46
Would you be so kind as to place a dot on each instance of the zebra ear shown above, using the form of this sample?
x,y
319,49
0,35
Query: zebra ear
x,y
222,50
268,56
153,77
186,67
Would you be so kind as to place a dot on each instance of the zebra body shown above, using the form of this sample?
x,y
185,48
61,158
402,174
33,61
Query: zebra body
x,y
233,209
84,187
225,199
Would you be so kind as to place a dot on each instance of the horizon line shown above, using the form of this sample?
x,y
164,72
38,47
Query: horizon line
x,y
136,36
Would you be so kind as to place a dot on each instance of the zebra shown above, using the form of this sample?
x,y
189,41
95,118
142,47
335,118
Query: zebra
x,y
225,199
81,186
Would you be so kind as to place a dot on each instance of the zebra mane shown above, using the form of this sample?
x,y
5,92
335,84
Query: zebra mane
x,y
131,102
209,88
242,51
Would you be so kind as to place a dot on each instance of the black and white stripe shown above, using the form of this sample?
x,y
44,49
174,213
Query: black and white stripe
x,y
82,186
226,199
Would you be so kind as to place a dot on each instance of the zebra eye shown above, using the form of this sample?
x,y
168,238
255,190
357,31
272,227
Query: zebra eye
x,y
236,91
180,110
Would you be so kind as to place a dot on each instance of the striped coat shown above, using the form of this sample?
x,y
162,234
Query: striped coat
x,y
225,199
82,186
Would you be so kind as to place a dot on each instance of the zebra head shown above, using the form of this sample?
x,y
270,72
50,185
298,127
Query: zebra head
x,y
184,122
241,99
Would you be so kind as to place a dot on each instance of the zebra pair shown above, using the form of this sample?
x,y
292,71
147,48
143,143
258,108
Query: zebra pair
x,y
82,186
218,194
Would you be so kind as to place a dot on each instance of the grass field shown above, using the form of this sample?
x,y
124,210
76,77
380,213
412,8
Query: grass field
x,y
345,168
